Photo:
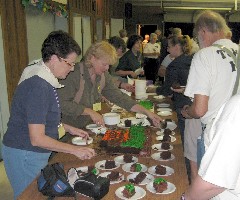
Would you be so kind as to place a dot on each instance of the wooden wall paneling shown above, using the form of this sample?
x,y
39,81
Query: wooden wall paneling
x,y
14,41
119,12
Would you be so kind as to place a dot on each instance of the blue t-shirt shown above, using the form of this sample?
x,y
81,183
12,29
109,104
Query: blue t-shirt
x,y
34,102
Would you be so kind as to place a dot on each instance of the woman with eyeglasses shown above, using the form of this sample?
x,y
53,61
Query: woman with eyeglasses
x,y
32,132
84,89
132,59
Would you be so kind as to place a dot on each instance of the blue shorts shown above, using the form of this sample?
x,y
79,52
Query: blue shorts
x,y
22,167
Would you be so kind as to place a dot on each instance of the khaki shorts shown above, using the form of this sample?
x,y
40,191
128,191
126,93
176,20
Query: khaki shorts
x,y
193,129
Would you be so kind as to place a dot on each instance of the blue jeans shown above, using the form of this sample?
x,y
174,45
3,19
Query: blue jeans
x,y
22,167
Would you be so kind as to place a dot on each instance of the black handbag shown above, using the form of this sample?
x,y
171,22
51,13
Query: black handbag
x,y
53,182
92,185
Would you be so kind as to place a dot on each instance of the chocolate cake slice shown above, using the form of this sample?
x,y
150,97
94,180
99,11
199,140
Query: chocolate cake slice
x,y
165,155
136,167
159,169
113,176
128,158
160,185
128,123
165,146
167,132
109,164
129,190
166,138
139,178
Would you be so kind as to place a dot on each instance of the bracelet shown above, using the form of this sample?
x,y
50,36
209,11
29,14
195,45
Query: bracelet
x,y
120,84
182,197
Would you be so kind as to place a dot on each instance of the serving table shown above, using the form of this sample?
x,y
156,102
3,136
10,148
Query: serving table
x,y
178,178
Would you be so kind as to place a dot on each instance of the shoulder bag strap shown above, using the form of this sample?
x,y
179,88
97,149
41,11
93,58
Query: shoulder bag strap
x,y
236,60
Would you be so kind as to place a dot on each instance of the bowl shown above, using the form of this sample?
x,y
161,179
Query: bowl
x,y
111,118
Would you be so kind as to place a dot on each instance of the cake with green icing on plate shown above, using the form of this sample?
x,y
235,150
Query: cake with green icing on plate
x,y
147,104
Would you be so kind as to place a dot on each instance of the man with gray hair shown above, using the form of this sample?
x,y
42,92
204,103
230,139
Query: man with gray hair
x,y
210,84
151,53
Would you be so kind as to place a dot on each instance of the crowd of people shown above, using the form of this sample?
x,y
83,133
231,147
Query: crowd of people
x,y
57,92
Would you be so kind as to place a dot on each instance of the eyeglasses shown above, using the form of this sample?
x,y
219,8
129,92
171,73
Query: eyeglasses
x,y
70,64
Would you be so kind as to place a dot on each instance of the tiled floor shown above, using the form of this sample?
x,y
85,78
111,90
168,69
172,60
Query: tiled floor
x,y
6,192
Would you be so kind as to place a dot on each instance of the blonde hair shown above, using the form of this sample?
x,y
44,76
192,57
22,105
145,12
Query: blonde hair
x,y
101,50
213,21
184,41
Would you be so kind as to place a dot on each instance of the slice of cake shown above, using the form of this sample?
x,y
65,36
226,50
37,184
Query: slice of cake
x,y
136,167
165,146
166,138
128,123
128,158
113,176
165,155
139,178
161,170
167,131
109,164
160,185
129,190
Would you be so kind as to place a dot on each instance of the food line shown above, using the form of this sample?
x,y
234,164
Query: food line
x,y
178,178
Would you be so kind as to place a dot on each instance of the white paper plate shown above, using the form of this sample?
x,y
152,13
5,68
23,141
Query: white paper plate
x,y
158,147
101,165
169,171
156,156
120,160
126,167
81,141
120,179
140,116
147,180
160,137
91,126
164,109
159,97
161,132
140,193
171,125
134,121
163,105
171,188
164,113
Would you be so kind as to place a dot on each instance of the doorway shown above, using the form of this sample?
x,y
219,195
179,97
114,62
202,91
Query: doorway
x,y
143,29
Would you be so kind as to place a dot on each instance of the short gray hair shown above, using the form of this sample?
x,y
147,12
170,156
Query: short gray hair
x,y
211,20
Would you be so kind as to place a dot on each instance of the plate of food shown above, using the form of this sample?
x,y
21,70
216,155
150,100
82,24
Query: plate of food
x,y
163,156
113,176
164,146
160,132
166,138
163,105
160,186
91,126
134,167
128,122
129,191
123,159
107,165
165,131
140,178
164,113
171,125
159,97
164,109
82,141
160,170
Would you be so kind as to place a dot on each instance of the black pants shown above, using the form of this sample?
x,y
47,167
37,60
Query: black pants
x,y
151,68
